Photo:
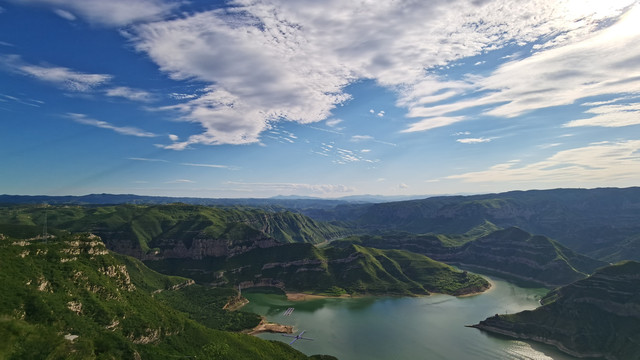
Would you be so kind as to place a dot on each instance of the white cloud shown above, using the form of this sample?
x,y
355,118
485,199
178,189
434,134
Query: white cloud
x,y
603,63
208,165
473,140
380,114
288,188
173,137
461,133
271,61
610,116
372,111
179,96
333,122
124,130
356,138
146,159
180,181
129,93
111,12
60,76
64,14
548,146
599,164
432,123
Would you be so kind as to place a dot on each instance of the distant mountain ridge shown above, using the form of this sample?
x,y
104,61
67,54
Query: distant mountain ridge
x,y
602,223
176,230
595,317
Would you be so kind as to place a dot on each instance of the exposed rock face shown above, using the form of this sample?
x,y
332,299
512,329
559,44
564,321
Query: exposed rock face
x,y
595,317
200,248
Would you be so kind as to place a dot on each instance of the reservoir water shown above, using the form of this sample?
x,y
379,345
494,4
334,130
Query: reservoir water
x,y
381,328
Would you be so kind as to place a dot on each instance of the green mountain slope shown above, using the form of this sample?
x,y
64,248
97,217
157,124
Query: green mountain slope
x,y
331,270
70,298
175,230
512,252
601,223
595,317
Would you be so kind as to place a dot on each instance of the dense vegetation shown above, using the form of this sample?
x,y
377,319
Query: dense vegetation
x,y
70,298
601,223
596,317
155,228
335,270
510,252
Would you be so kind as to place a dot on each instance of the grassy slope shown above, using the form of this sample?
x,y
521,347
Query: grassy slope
x,y
72,285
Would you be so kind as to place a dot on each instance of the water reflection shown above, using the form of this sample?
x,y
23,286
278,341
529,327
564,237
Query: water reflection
x,y
430,327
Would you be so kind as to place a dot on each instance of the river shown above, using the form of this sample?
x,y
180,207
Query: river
x,y
382,328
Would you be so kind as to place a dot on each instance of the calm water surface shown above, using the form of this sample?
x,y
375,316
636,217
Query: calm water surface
x,y
406,328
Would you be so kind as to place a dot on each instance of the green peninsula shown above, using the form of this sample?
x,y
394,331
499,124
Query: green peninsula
x,y
595,317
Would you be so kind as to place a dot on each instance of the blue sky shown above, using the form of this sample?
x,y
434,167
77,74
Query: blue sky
x,y
317,98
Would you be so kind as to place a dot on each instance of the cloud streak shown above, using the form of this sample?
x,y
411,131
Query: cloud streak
x,y
607,162
124,130
60,76
111,12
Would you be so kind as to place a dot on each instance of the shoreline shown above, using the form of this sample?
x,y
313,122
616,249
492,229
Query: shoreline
x,y
298,296
492,286
265,326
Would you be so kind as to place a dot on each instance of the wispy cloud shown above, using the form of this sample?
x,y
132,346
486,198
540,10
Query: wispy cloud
x,y
180,181
473,140
124,130
60,76
610,116
146,159
214,166
605,163
130,93
290,188
357,138
112,12
292,61
64,14
584,65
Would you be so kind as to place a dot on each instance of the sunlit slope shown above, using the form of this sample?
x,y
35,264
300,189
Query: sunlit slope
x,y
510,252
331,270
597,317
70,298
